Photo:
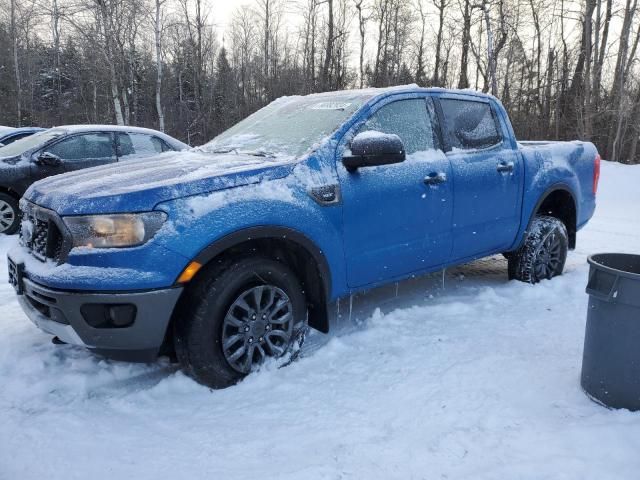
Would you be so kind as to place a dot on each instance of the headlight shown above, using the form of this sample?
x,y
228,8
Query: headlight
x,y
110,231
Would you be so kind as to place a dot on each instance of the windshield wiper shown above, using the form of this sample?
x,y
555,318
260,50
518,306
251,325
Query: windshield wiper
x,y
259,153
225,150
237,151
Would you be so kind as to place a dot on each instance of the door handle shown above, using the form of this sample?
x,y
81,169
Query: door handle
x,y
435,178
505,167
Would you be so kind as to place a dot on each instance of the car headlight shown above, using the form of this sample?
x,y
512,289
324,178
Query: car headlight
x,y
111,231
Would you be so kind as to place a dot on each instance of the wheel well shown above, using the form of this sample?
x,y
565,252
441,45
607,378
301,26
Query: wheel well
x,y
9,191
312,273
561,205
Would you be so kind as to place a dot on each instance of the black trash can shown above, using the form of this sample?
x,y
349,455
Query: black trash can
x,y
611,360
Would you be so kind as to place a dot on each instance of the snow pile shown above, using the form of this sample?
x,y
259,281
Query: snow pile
x,y
479,380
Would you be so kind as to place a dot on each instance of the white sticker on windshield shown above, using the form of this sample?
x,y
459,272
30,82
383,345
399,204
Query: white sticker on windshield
x,y
329,106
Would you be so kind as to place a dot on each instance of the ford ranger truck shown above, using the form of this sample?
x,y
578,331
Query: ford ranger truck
x,y
224,254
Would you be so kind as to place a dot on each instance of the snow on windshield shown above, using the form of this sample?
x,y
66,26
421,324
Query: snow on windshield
x,y
289,126
28,143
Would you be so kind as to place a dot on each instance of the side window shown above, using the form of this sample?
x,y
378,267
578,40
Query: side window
x,y
85,146
470,124
9,140
409,119
161,145
138,144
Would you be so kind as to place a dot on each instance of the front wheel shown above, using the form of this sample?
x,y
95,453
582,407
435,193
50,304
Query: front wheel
x,y
244,312
9,214
544,252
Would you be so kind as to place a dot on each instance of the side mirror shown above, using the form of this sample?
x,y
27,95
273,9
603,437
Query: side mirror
x,y
370,149
48,159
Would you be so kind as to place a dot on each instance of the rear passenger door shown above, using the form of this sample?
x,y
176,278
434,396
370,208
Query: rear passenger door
x,y
487,177
132,146
85,150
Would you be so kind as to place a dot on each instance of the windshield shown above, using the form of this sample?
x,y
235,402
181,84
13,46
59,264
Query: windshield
x,y
289,126
29,143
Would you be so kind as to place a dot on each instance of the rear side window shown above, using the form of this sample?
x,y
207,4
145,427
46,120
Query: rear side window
x,y
470,125
409,119
139,145
10,140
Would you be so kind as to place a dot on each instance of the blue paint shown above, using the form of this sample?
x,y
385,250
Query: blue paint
x,y
388,224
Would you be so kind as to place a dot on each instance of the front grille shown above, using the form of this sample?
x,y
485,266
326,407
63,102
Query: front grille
x,y
40,233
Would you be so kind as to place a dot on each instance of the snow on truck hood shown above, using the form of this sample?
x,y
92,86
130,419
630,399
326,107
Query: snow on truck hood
x,y
139,185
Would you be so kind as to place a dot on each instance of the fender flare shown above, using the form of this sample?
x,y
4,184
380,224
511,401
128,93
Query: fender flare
x,y
554,188
275,232
10,191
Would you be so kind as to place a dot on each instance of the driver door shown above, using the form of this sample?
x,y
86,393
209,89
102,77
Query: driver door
x,y
395,221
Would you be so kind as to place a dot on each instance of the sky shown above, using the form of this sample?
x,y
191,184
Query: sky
x,y
221,12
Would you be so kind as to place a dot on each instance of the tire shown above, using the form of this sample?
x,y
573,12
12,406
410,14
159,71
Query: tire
x,y
222,316
544,252
9,214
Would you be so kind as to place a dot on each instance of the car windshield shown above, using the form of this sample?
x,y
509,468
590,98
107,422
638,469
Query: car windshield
x,y
289,126
29,143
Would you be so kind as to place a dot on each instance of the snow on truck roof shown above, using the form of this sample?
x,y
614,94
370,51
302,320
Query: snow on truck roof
x,y
373,92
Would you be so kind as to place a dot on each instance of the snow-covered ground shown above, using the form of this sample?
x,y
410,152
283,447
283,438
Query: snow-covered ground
x,y
477,380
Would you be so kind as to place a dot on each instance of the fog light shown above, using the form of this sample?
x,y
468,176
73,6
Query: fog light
x,y
122,315
101,315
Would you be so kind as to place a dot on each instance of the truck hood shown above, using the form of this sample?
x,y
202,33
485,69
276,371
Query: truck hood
x,y
139,185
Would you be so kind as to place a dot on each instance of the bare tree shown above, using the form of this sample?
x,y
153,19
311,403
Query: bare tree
x,y
16,65
441,5
107,18
362,21
463,82
157,31
491,61
158,63
328,52
420,74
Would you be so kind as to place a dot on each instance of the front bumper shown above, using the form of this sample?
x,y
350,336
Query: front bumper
x,y
68,314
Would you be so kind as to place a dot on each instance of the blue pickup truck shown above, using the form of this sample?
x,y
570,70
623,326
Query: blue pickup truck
x,y
226,253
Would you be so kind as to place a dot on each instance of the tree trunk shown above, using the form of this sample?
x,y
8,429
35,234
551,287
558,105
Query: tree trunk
x,y
267,34
463,81
600,55
16,66
490,52
617,90
328,52
361,25
158,39
441,5
587,32
420,73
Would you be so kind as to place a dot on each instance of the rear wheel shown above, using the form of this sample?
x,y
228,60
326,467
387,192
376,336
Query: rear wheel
x,y
544,252
9,214
244,312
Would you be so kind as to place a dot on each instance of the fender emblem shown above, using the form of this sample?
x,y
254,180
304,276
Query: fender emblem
x,y
326,194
